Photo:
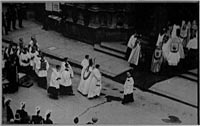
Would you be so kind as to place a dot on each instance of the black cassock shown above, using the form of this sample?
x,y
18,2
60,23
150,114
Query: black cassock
x,y
13,74
9,113
36,119
48,121
24,116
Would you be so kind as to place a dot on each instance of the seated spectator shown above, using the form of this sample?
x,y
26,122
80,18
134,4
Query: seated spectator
x,y
48,120
37,119
17,119
24,118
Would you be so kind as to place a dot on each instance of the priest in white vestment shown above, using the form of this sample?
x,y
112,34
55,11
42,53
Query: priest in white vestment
x,y
84,64
95,84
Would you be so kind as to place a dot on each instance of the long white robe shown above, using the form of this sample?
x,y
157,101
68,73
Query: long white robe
x,y
135,55
70,68
84,64
128,86
132,41
95,84
86,84
42,73
66,78
53,80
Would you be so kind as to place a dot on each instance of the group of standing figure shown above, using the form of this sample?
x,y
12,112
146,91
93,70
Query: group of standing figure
x,y
173,43
90,83
9,18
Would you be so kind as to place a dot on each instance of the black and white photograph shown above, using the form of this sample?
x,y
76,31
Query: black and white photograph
x,y
100,62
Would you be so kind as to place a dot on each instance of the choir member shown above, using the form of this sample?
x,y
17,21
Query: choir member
x,y
33,54
63,66
54,82
24,61
42,67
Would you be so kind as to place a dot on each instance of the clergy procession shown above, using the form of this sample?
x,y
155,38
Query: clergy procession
x,y
71,58
175,43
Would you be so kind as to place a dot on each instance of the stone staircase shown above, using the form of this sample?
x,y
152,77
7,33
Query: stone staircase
x,y
116,49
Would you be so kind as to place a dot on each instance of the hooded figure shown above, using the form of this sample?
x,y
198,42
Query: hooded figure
x,y
37,119
24,117
55,82
9,112
48,120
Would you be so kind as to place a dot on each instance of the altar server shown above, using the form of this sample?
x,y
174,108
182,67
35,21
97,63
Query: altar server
x,y
54,82
42,67
66,82
128,89
65,61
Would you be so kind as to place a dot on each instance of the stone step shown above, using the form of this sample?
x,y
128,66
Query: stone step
x,y
189,77
97,47
115,46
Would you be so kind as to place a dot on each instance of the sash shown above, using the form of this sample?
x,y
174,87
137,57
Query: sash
x,y
86,76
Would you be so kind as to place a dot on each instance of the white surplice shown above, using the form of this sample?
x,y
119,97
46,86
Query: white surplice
x,y
42,73
128,86
70,68
66,78
54,82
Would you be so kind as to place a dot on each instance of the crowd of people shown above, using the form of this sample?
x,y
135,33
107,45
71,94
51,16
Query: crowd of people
x,y
21,116
175,43
10,15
